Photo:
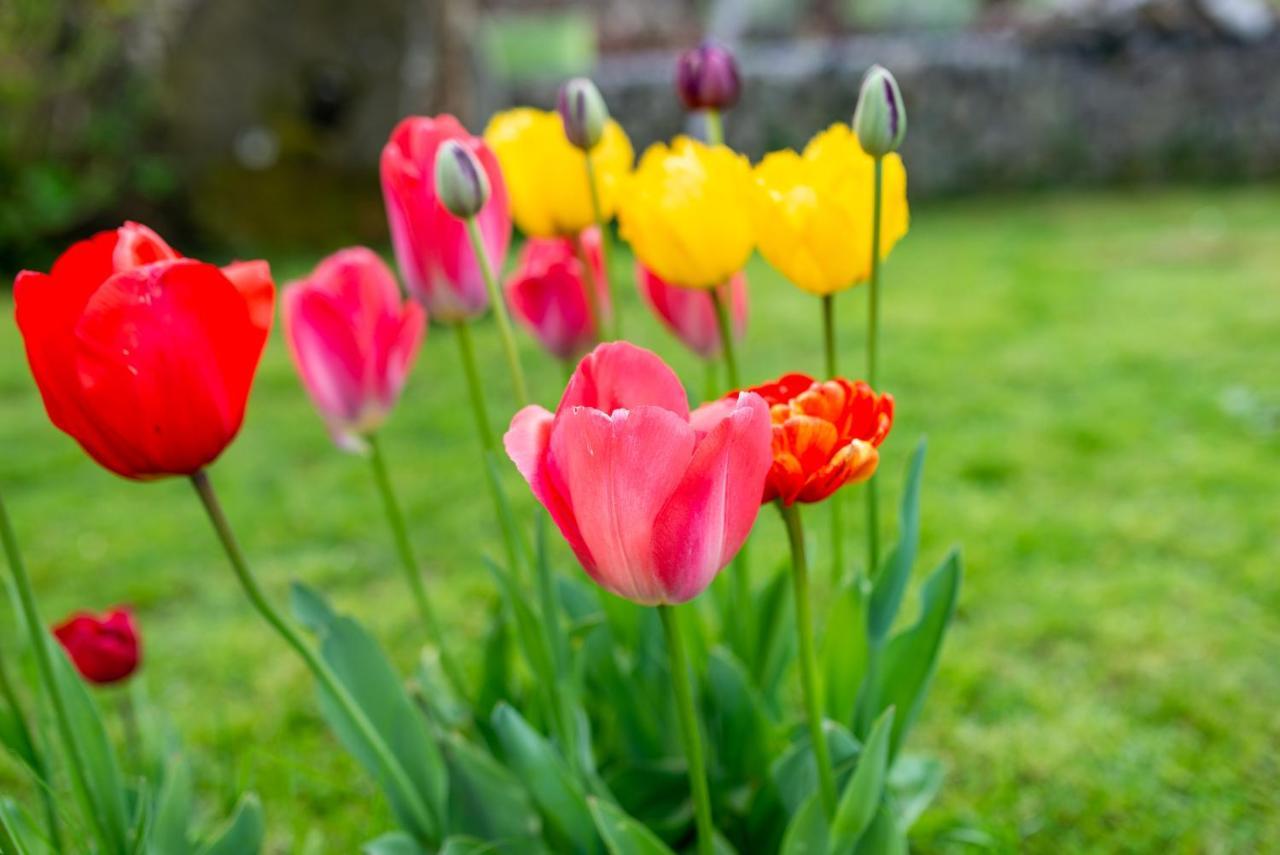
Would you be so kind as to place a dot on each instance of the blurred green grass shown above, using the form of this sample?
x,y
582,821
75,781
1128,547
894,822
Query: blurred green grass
x,y
1097,375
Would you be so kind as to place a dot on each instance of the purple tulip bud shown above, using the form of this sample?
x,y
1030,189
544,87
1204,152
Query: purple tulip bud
x,y
461,184
707,77
583,112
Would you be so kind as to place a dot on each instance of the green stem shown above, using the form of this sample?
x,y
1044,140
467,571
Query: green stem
x,y
38,765
837,501
829,335
715,127
808,658
589,287
689,732
499,313
726,336
113,838
412,572
597,210
320,669
873,343
711,390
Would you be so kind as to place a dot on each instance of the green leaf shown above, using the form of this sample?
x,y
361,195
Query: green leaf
x,y
807,831
170,832
485,799
362,668
884,836
863,794
436,694
915,782
495,668
844,651
795,773
546,777
775,636
19,835
475,846
399,843
911,656
891,583
243,833
622,834
738,728
16,738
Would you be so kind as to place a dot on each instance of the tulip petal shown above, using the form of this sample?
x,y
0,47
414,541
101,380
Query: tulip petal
x,y
253,280
619,376
526,443
853,463
326,352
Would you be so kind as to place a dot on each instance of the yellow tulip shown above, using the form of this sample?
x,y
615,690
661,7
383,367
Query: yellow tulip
x,y
545,175
814,212
687,212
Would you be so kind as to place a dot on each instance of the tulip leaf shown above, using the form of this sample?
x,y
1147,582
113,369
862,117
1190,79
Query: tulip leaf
x,y
807,832
170,833
864,793
795,773
495,670
463,845
884,836
844,651
485,799
891,581
738,729
359,663
14,734
776,635
914,782
622,834
395,843
544,774
436,694
243,833
18,833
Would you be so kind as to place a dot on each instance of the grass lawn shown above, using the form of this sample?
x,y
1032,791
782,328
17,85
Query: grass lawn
x,y
1099,377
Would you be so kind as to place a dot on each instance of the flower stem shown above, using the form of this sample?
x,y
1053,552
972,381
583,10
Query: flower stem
x,y
597,210
873,343
689,732
590,288
412,572
726,336
113,838
38,765
499,313
715,127
837,500
808,659
320,669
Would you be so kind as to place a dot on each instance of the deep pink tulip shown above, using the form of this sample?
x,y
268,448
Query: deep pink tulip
x,y
432,249
654,500
352,339
104,649
548,293
688,312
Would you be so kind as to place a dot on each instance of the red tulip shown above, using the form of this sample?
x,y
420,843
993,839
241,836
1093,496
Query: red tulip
x,y
144,357
689,313
548,293
104,649
352,339
654,500
432,248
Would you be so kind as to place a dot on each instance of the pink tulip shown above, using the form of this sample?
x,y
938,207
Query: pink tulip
x,y
689,313
654,500
548,293
353,340
432,249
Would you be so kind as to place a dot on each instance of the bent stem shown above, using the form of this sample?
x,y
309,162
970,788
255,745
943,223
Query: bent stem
x,y
319,668
113,838
597,211
412,571
691,737
499,313
808,659
837,501
873,336
39,767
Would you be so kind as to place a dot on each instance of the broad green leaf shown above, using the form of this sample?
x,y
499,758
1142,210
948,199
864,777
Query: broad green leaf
x,y
738,729
795,773
495,670
533,640
243,833
622,834
911,656
475,846
545,775
844,651
20,835
485,799
775,636
807,832
399,843
914,782
884,836
170,832
360,664
436,693
864,792
891,583
14,734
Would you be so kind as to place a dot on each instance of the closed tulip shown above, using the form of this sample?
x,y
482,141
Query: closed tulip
x,y
548,293
352,340
144,357
814,212
689,313
104,649
431,245
654,500
687,212
550,194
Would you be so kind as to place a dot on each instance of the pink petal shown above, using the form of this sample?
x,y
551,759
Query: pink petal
x,y
526,442
620,375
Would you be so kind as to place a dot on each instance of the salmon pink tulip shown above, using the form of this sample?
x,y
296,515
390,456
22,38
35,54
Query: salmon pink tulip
x,y
689,312
431,245
548,293
104,649
142,356
352,339
654,500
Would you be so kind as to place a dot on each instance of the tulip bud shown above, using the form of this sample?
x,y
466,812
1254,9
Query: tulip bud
x,y
461,184
583,111
707,77
880,120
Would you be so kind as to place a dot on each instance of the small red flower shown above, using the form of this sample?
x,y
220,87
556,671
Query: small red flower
x,y
825,435
104,649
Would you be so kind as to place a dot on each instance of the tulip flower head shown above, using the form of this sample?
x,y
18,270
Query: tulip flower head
x,y
689,312
104,649
825,435
707,77
550,194
687,212
548,293
352,340
582,112
813,213
142,356
880,119
653,500
432,249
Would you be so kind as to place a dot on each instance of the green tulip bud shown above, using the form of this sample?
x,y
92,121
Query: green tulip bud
x,y
880,120
461,184
583,111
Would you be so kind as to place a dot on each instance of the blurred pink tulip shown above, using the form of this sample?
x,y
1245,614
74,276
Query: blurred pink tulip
x,y
688,312
352,339
654,500
431,245
548,294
